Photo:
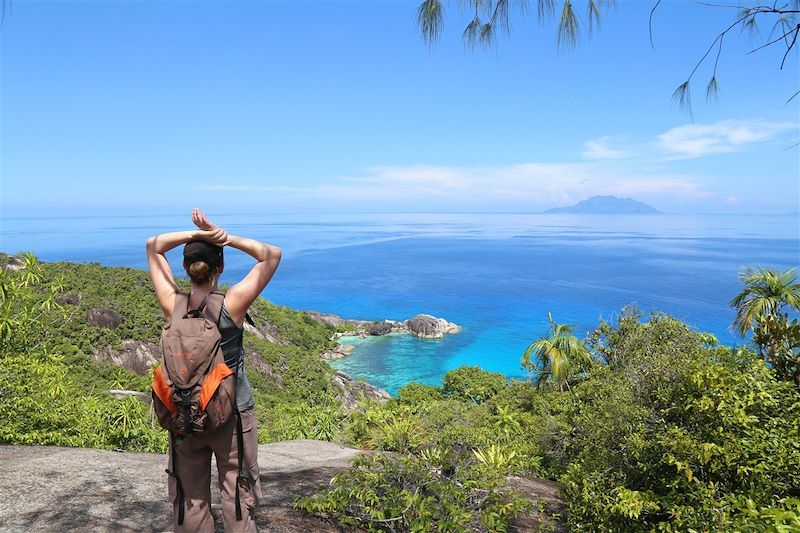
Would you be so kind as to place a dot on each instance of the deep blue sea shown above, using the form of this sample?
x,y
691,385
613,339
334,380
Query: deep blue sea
x,y
497,275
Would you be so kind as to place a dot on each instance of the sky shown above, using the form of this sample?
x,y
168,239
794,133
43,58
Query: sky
x,y
293,107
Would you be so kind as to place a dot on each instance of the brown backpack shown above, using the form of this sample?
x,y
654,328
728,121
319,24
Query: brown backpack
x,y
194,391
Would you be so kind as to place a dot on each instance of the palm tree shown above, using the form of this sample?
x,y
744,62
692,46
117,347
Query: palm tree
x,y
559,356
766,292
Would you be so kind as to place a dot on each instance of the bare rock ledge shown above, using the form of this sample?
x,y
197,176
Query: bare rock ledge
x,y
49,488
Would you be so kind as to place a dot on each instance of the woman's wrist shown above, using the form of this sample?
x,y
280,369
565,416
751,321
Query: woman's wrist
x,y
167,241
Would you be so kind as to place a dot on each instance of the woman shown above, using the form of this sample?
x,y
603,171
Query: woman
x,y
190,458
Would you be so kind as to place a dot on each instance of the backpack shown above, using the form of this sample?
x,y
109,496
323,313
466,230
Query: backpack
x,y
194,391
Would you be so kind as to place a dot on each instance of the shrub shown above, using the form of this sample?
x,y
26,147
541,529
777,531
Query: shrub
x,y
473,383
439,489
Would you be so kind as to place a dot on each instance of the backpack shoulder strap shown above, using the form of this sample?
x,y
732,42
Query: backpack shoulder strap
x,y
181,305
214,306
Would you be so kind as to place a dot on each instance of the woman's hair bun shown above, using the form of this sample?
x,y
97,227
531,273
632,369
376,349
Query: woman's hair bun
x,y
199,271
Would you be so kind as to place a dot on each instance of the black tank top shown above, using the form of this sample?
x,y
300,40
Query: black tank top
x,y
233,350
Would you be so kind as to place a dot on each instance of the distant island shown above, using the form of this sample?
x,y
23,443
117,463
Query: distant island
x,y
607,205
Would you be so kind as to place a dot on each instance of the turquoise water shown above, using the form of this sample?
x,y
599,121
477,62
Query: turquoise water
x,y
497,275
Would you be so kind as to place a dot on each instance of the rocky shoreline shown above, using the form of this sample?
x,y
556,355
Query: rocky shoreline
x,y
422,326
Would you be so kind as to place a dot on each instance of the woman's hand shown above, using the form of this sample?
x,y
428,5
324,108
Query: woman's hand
x,y
210,231
216,236
200,220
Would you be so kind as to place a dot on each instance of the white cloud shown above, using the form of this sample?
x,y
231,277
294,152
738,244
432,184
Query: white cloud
x,y
537,185
696,140
528,184
601,149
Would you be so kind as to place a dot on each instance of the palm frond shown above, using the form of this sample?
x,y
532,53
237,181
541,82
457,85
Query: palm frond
x,y
765,293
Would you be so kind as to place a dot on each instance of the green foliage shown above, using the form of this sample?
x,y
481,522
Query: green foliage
x,y
292,327
559,358
472,383
304,421
766,292
47,397
41,404
759,308
425,418
671,434
44,315
779,341
414,394
439,489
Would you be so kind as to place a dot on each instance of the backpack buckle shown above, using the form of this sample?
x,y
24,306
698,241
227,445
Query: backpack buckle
x,y
186,397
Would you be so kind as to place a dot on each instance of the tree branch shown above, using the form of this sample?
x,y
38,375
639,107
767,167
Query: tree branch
x,y
650,24
793,30
789,48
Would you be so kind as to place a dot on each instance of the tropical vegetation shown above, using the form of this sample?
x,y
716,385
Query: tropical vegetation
x,y
762,308
646,425
560,357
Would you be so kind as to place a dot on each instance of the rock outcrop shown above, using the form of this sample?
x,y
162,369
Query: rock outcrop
x,y
380,328
104,318
70,299
265,332
12,263
48,488
259,364
121,394
423,326
350,390
138,356
334,320
430,327
338,352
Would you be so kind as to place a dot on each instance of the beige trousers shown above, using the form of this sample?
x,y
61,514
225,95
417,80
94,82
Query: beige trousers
x,y
193,469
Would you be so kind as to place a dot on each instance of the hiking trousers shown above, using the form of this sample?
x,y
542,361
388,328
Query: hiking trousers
x,y
193,469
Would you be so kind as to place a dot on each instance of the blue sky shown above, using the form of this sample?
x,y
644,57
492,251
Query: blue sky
x,y
300,107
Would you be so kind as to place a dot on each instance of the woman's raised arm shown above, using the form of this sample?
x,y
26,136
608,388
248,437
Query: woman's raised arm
x,y
239,297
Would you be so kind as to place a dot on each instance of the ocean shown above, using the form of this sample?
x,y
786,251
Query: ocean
x,y
496,275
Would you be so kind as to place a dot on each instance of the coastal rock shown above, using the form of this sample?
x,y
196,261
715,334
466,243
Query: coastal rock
x,y
350,390
342,350
104,318
381,328
334,320
430,327
138,356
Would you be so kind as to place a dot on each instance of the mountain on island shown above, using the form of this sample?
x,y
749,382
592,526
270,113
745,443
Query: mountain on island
x,y
607,205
